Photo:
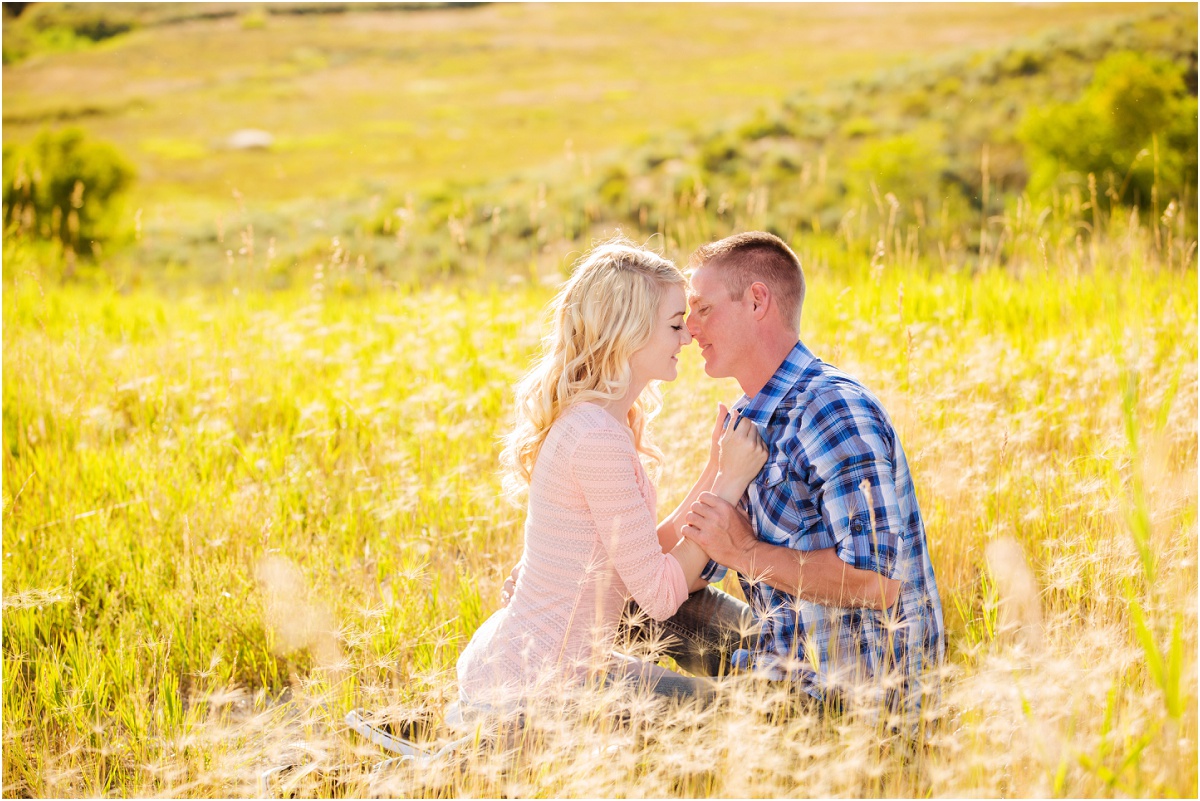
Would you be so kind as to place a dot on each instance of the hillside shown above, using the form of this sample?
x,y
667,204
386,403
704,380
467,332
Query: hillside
x,y
594,116
931,149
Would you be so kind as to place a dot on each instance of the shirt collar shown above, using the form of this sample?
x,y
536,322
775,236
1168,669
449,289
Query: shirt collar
x,y
763,405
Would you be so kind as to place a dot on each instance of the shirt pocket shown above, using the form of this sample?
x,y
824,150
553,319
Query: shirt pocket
x,y
773,474
783,511
771,511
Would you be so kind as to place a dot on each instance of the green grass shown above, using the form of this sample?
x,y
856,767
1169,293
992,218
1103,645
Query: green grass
x,y
158,450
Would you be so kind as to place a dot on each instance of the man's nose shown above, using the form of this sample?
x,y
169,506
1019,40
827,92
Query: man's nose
x,y
691,326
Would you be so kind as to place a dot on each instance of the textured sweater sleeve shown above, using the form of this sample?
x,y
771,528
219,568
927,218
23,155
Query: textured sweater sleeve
x,y
604,464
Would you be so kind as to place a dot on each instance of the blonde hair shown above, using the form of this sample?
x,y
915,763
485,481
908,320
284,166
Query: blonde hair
x,y
602,316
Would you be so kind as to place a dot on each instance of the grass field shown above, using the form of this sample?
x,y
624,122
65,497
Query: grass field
x,y
157,452
231,514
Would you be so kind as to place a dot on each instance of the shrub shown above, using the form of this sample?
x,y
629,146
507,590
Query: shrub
x,y
64,186
254,20
949,86
1135,105
858,127
614,186
90,21
908,165
721,153
763,125
1022,62
56,27
915,104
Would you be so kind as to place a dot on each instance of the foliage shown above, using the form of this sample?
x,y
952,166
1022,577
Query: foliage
x,y
64,186
805,165
911,163
255,19
59,27
1133,128
49,27
481,111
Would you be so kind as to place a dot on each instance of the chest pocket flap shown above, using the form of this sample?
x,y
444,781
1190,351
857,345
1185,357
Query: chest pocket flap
x,y
773,473
769,508
782,516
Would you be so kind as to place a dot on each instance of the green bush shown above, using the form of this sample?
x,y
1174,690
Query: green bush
x,y
614,186
1022,62
859,126
1136,119
721,153
58,27
93,21
64,186
762,125
254,20
907,165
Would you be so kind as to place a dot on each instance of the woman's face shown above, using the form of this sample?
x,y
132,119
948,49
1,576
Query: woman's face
x,y
658,359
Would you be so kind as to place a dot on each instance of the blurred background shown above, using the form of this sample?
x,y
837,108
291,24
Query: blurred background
x,y
217,142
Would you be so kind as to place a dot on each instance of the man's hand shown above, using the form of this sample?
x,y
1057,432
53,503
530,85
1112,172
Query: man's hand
x,y
818,576
720,529
510,584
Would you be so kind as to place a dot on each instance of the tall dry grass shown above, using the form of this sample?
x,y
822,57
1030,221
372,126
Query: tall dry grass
x,y
230,518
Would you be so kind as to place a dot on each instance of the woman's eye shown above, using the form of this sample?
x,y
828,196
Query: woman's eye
x,y
677,328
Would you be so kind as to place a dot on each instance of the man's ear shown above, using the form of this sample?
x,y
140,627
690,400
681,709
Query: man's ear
x,y
760,299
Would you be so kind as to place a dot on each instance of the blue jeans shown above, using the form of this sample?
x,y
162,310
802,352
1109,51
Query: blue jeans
x,y
701,637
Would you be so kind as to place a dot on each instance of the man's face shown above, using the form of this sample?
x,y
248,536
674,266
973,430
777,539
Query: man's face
x,y
720,325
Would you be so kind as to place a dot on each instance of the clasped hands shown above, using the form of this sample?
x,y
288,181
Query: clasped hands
x,y
720,528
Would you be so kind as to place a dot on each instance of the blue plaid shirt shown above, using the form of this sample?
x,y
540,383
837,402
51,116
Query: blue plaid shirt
x,y
836,477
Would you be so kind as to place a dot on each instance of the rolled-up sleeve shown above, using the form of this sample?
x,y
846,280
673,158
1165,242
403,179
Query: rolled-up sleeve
x,y
605,466
854,483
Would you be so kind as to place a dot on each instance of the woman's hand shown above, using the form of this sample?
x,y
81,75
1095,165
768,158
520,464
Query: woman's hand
x,y
510,584
671,529
742,455
714,451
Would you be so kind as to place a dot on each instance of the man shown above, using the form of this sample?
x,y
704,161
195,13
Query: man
x,y
833,525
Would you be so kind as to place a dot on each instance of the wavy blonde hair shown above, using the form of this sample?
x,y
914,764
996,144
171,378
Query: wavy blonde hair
x,y
600,317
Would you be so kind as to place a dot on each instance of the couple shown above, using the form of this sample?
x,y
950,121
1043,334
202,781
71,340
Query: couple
x,y
806,494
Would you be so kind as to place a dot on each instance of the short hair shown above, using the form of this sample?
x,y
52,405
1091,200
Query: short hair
x,y
757,256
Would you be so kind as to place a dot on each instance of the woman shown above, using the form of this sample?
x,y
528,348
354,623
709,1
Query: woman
x,y
590,537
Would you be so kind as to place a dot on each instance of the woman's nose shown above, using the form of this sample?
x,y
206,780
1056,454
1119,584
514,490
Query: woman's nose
x,y
686,335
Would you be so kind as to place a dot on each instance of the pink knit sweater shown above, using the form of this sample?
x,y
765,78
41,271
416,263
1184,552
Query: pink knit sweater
x,y
590,543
